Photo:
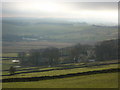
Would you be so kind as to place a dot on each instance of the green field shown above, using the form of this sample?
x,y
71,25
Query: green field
x,y
22,35
60,72
107,80
9,55
104,80
7,63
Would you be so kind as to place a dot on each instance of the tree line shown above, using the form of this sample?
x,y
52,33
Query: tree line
x,y
51,56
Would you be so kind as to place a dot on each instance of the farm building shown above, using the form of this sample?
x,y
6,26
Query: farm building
x,y
15,61
91,60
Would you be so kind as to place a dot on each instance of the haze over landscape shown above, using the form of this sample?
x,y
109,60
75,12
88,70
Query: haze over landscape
x,y
63,22
92,12
59,44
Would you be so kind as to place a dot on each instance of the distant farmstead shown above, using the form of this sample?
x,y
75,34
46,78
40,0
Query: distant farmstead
x,y
15,61
92,60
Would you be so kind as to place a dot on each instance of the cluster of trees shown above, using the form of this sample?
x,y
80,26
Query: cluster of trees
x,y
48,56
106,50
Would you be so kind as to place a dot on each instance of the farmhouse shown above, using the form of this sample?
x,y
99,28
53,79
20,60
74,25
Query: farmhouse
x,y
15,61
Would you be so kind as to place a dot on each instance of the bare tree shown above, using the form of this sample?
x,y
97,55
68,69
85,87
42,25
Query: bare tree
x,y
52,54
79,52
12,70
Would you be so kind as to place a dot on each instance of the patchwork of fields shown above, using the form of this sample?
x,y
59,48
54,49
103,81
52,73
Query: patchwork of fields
x,y
21,35
26,46
98,80
73,51
106,80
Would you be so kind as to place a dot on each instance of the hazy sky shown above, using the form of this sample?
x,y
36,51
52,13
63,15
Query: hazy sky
x,y
100,12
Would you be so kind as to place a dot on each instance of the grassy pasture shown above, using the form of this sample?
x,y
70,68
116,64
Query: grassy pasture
x,y
106,80
9,55
60,72
27,45
7,63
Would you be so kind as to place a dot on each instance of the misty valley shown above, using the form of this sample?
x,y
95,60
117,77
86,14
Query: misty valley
x,y
59,45
59,31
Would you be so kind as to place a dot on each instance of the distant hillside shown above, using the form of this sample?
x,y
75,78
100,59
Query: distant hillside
x,y
55,30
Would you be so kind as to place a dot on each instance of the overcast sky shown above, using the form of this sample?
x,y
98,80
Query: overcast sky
x,y
94,12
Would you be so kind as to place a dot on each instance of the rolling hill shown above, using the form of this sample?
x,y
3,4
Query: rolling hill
x,y
53,30
56,30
